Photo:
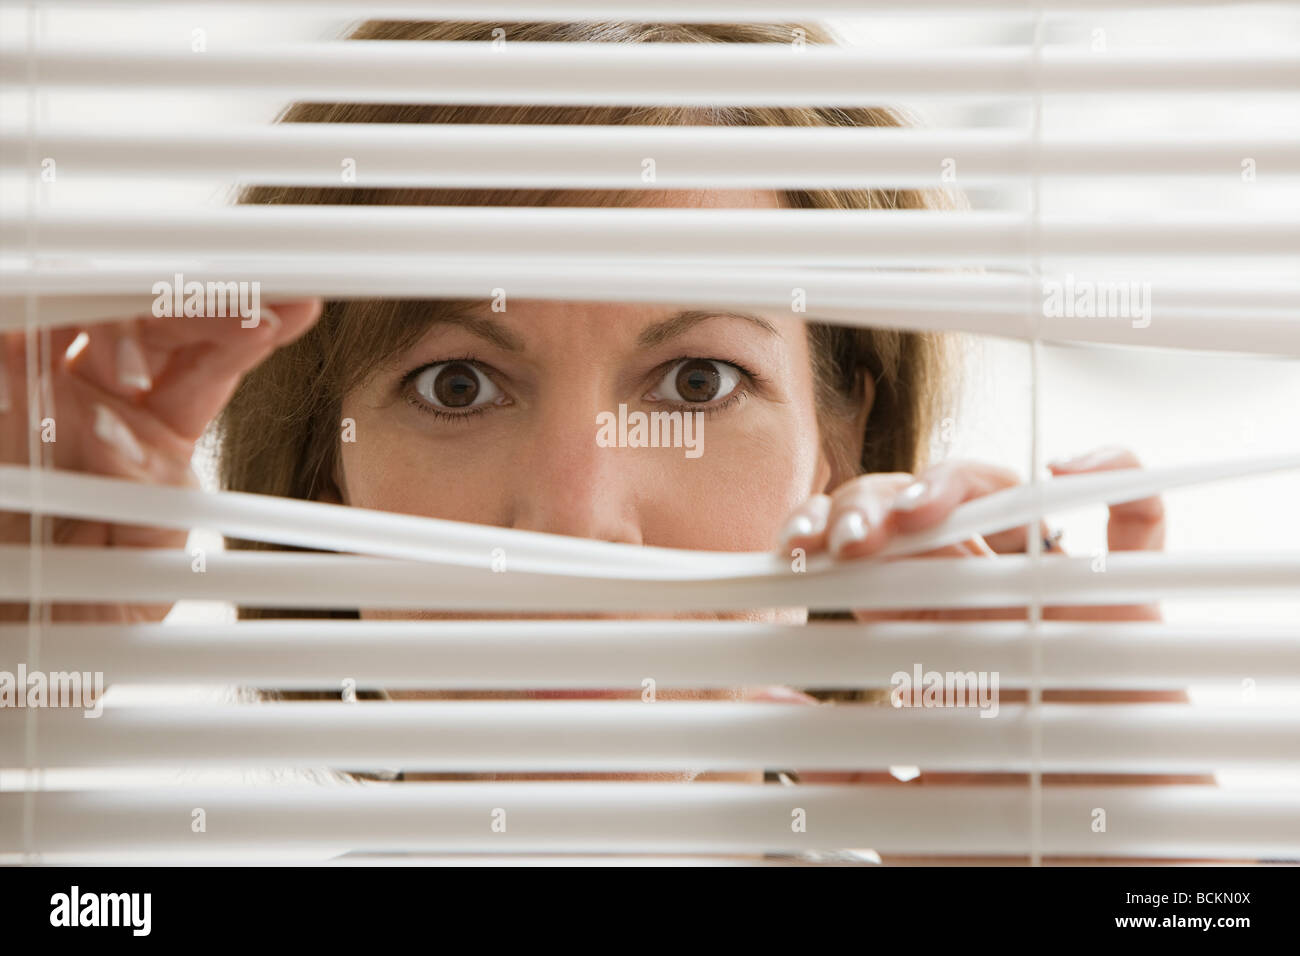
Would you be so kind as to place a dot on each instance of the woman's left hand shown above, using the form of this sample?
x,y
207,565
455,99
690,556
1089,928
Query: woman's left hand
x,y
863,515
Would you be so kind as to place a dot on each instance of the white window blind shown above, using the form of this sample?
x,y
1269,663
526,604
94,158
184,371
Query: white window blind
x,y
1079,144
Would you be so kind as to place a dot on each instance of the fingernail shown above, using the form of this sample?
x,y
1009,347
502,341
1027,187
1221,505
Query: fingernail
x,y
111,430
851,527
912,497
810,521
267,315
1067,462
784,695
800,526
132,368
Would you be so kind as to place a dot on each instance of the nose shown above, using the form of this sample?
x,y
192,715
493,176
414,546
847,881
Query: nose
x,y
564,482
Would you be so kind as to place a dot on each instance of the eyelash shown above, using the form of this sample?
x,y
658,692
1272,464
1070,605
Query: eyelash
x,y
750,379
408,391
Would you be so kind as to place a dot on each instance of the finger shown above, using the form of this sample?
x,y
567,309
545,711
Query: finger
x,y
126,357
1116,612
1015,540
290,318
13,364
806,526
970,548
121,438
844,776
210,356
1104,612
777,695
1133,525
858,525
942,488
16,419
114,360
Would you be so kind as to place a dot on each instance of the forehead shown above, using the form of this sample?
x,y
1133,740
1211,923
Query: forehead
x,y
538,320
644,313
700,199
531,324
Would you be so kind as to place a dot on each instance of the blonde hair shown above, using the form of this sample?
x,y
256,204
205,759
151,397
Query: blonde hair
x,y
279,434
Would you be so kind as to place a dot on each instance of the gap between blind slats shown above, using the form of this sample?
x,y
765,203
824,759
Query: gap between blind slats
x,y
651,74
632,736
276,519
1232,315
589,157
1173,821
602,654
781,237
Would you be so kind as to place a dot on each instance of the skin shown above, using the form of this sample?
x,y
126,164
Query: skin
x,y
141,375
530,460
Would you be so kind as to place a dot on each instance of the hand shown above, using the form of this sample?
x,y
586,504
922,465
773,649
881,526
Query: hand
x,y
131,404
863,515
858,519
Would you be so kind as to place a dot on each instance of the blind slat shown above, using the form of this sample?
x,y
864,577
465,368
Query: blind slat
x,y
1236,314
1173,821
632,736
590,157
337,527
707,654
290,580
652,74
780,237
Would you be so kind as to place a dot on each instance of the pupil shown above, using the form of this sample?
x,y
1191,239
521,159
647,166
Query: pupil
x,y
456,385
698,381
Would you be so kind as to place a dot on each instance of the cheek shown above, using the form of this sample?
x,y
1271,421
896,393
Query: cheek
x,y
389,467
739,493
735,496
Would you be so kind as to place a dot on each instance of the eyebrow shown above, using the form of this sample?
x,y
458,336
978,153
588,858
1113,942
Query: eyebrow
x,y
652,335
484,328
676,325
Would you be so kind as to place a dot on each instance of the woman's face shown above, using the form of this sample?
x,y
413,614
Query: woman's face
x,y
512,418
495,417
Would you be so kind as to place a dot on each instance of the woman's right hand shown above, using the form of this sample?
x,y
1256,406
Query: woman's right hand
x,y
131,404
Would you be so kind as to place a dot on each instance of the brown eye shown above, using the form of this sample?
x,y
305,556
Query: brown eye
x,y
697,381
455,385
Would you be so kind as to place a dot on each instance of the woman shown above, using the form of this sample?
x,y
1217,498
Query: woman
x,y
815,435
